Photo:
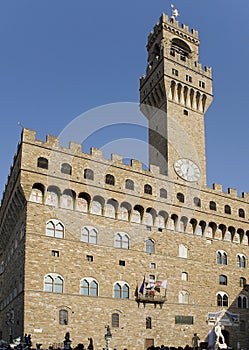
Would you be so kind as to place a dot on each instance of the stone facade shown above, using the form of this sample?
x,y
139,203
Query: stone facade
x,y
77,238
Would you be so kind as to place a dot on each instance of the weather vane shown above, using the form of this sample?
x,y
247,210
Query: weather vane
x,y
174,12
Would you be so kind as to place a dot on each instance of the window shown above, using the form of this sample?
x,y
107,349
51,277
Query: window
x,y
89,286
148,189
53,283
115,320
121,241
184,276
189,78
223,280
180,197
89,235
242,302
121,290
121,262
183,297
227,209
55,253
221,257
152,265
36,195
150,246
109,179
89,258
163,193
148,323
197,202
241,213
202,84
88,174
185,112
55,228
175,72
63,317
212,205
66,169
222,299
242,282
42,163
183,251
241,260
129,184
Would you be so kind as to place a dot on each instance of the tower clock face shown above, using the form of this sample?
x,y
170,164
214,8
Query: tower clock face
x,y
187,170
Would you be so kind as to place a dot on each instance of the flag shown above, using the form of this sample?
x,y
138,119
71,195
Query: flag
x,y
141,290
161,284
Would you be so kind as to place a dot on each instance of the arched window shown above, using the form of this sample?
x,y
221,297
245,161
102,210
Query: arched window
x,y
148,189
242,302
66,169
89,235
148,323
115,320
42,163
241,260
223,280
242,282
241,213
58,284
212,206
37,193
183,251
121,290
89,286
129,184
53,196
48,284
180,197
163,193
227,209
88,174
121,240
183,297
109,179
221,257
150,246
63,317
197,202
55,228
222,299
181,48
53,283
67,199
97,205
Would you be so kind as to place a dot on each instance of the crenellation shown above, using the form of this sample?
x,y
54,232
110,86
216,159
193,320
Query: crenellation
x,y
75,147
96,153
155,170
136,164
217,187
245,195
233,192
117,158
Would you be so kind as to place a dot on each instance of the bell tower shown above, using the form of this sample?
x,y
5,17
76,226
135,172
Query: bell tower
x,y
175,93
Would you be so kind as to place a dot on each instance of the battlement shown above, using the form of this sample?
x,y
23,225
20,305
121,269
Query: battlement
x,y
53,143
172,25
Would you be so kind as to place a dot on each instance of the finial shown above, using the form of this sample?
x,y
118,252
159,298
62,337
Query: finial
x,y
174,12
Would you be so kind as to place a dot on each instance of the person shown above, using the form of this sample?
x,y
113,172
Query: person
x,y
195,341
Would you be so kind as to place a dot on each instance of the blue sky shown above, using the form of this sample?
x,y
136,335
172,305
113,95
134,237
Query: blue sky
x,y
62,58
